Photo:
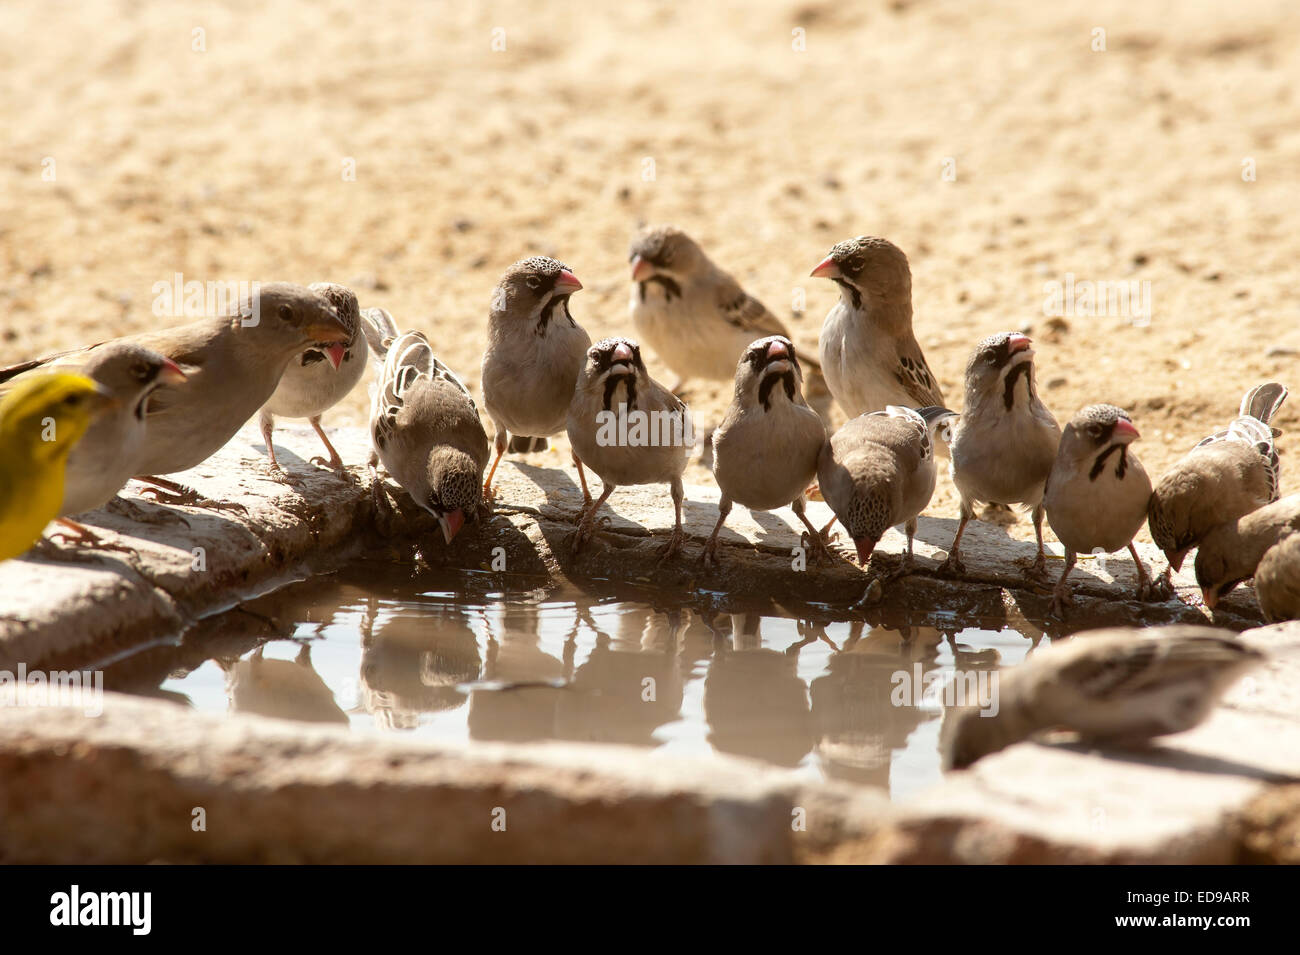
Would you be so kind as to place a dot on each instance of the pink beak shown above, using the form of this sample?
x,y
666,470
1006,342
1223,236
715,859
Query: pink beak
x,y
865,546
623,353
1018,343
1210,597
171,373
826,269
1125,427
641,269
567,283
336,353
451,523
777,350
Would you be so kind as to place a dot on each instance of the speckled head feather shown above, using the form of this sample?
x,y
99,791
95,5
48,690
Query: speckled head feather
x,y
345,304
754,379
454,479
526,291
995,369
665,247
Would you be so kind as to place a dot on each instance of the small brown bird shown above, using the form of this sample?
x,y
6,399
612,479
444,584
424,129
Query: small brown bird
x,y
869,354
1005,443
534,355
1229,553
629,429
426,431
693,314
320,377
878,472
1277,580
1229,474
232,365
1097,493
1118,686
765,451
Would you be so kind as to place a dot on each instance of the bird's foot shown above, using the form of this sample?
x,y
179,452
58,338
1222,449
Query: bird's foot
x,y
953,566
709,556
815,545
1161,590
1036,569
585,528
1062,601
673,547
125,507
334,462
179,494
81,536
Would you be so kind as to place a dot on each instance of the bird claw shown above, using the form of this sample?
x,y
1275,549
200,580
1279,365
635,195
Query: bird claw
x,y
951,567
672,548
334,464
1035,569
816,546
1061,603
188,497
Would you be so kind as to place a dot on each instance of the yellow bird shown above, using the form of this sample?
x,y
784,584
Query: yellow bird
x,y
40,422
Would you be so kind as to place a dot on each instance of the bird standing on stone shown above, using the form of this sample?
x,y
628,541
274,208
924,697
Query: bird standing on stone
x,y
426,430
693,314
1114,686
1277,580
1230,553
1097,493
41,420
232,365
765,451
1227,475
629,429
1004,444
320,377
869,354
878,471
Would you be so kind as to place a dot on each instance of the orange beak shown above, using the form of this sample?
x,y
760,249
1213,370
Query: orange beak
x,y
826,269
641,269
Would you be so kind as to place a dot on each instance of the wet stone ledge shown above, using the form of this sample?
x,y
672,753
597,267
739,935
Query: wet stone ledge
x,y
122,786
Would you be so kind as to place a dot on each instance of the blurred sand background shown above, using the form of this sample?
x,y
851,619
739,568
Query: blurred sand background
x,y
227,163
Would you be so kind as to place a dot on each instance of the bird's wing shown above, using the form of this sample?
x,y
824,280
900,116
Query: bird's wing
x,y
1146,664
72,358
739,308
380,331
1262,401
410,361
916,378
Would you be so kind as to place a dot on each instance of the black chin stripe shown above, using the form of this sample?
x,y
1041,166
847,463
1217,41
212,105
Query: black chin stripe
x,y
1120,467
612,382
853,292
544,319
671,288
1014,375
768,383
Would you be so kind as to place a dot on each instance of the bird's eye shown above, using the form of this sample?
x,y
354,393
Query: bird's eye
x,y
855,264
285,312
140,371
533,281
72,401
1095,430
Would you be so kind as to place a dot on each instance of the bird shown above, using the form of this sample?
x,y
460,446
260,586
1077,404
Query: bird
x,y
41,420
1277,580
534,355
105,458
693,314
765,450
426,430
869,353
1230,553
232,365
320,377
1005,442
629,429
1225,476
1097,493
1117,686
878,471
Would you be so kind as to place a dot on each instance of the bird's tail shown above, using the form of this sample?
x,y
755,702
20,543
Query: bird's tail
x,y
380,331
524,445
1262,401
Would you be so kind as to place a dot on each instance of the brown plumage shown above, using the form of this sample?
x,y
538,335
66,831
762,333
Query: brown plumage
x,y
1228,554
1277,580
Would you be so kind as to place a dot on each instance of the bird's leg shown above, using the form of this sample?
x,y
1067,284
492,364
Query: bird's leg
x,y
582,479
1038,568
183,496
825,533
499,441
583,533
815,540
83,536
334,461
1061,595
267,423
1146,590
709,556
675,541
952,564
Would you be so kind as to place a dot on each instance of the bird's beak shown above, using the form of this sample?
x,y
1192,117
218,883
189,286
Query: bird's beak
x,y
1124,429
1210,597
827,269
171,373
335,354
567,283
1020,343
865,546
778,358
641,269
1176,559
622,357
328,332
451,523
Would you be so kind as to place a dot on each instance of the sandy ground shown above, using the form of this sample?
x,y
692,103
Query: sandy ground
x,y
1117,165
